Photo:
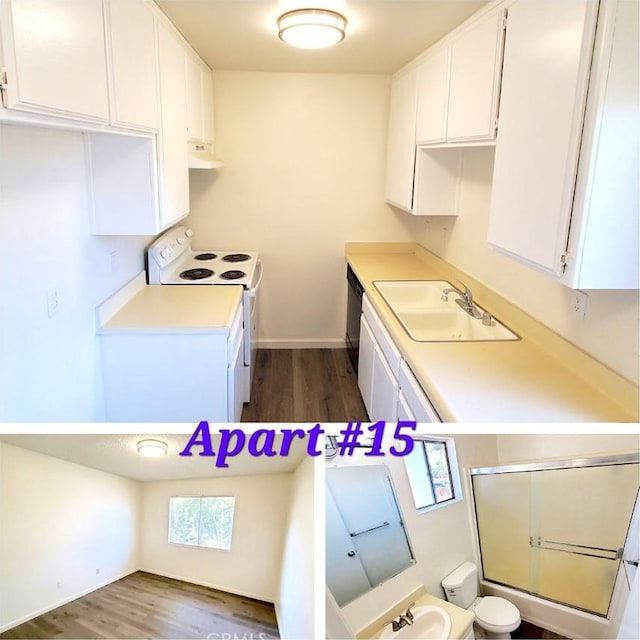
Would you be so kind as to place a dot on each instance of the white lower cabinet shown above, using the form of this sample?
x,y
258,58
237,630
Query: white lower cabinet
x,y
389,389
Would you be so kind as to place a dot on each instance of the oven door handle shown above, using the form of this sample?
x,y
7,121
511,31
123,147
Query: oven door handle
x,y
254,290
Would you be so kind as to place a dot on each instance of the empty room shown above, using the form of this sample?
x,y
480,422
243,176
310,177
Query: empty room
x,y
98,540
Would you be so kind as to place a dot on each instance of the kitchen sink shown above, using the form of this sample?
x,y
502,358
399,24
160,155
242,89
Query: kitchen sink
x,y
428,315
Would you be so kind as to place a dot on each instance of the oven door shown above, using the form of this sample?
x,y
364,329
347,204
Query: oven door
x,y
250,306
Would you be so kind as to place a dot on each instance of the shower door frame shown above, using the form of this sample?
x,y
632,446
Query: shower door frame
x,y
548,465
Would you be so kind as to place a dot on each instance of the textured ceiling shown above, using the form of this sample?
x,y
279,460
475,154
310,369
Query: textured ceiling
x,y
117,453
382,35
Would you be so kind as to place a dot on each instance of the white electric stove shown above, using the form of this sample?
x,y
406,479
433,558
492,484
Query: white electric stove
x,y
171,260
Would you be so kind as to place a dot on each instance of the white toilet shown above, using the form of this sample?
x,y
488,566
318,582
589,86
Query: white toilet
x,y
496,616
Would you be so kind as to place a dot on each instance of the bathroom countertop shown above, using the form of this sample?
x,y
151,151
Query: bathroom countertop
x,y
461,619
540,378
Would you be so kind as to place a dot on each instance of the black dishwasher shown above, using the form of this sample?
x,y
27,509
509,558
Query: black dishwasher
x,y
354,309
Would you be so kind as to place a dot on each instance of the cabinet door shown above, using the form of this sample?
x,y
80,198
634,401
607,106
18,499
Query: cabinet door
x,y
474,84
133,64
404,410
384,393
401,140
194,100
433,90
174,171
56,57
365,364
207,105
541,115
412,395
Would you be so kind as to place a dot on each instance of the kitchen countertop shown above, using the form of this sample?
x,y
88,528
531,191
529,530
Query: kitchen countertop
x,y
540,378
461,619
171,309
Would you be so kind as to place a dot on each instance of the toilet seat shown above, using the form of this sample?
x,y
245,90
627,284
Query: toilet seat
x,y
497,615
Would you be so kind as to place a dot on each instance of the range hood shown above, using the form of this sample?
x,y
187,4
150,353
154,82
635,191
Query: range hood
x,y
201,157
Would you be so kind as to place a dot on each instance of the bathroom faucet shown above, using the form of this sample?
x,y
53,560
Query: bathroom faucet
x,y
464,300
403,620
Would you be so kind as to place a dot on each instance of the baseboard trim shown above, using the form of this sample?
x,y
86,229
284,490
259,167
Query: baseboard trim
x,y
303,343
60,603
210,585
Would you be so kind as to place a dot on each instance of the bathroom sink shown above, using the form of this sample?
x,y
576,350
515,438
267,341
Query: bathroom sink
x,y
427,316
429,623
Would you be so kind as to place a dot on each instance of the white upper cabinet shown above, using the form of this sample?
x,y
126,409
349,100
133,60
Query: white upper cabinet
x,y
578,227
55,59
401,140
433,93
199,101
194,100
459,84
173,152
474,81
134,96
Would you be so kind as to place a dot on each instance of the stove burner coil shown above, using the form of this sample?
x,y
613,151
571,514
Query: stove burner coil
x,y
233,274
206,256
236,257
196,274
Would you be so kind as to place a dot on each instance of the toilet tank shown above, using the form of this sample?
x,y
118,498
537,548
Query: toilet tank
x,y
461,586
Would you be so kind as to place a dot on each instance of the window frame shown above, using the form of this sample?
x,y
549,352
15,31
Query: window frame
x,y
201,546
452,467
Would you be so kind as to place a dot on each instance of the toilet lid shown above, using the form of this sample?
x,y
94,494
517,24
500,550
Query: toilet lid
x,y
497,612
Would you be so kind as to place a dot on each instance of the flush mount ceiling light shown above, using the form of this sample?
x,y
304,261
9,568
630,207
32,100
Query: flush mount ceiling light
x,y
152,448
312,28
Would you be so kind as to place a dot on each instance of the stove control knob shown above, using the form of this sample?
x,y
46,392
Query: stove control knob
x,y
164,253
188,233
181,240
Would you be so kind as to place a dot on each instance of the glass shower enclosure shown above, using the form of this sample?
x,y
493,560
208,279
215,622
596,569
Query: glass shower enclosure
x,y
557,530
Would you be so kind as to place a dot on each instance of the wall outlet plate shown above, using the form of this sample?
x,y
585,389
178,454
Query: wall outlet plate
x,y
579,303
53,302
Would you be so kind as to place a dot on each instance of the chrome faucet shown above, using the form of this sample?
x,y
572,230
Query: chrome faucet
x,y
464,300
403,620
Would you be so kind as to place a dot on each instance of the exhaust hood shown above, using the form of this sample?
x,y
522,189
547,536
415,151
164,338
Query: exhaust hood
x,y
201,157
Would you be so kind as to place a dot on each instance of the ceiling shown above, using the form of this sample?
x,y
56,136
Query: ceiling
x,y
382,35
117,453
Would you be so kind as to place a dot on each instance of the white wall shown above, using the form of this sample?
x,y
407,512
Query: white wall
x,y
304,173
441,539
609,332
296,604
60,523
252,567
49,367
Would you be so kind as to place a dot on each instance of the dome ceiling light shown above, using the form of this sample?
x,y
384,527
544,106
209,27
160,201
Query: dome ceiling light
x,y
311,28
152,448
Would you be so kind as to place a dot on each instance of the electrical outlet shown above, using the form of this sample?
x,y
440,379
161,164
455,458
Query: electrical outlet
x,y
98,571
53,302
59,585
579,303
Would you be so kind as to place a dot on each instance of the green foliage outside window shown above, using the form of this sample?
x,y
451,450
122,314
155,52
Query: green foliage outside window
x,y
202,521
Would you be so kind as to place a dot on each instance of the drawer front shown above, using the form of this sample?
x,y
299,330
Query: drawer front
x,y
415,398
382,336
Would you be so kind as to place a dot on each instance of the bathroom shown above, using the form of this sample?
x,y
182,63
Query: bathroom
x,y
538,473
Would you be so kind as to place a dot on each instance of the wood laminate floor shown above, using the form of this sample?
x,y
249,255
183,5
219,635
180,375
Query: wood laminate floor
x,y
304,385
144,605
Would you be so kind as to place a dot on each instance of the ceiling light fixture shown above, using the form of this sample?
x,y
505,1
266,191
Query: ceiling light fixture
x,y
311,28
152,448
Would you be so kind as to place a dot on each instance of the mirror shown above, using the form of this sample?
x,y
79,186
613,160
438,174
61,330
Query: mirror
x,y
366,539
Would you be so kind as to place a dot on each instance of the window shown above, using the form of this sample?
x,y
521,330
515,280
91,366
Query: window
x,y
201,522
433,472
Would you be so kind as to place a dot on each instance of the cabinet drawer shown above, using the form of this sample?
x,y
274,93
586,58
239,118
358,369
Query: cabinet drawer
x,y
415,398
383,338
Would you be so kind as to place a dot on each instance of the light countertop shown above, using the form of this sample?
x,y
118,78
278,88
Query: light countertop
x,y
540,378
173,309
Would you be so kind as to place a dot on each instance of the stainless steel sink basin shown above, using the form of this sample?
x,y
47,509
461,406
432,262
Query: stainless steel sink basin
x,y
427,316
